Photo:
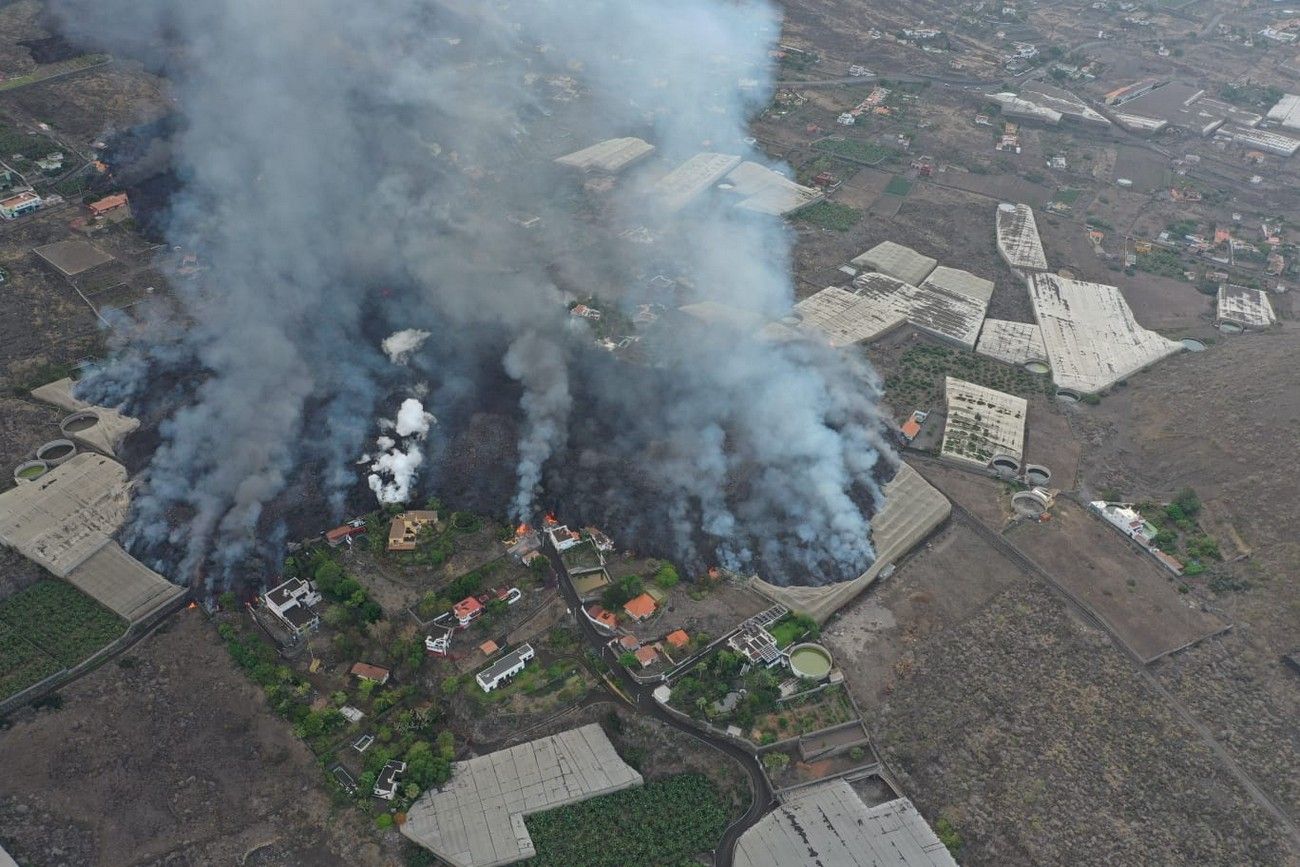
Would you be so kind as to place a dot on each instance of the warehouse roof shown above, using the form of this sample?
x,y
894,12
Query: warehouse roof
x,y
477,819
829,824
1016,106
1274,142
912,508
1018,240
897,261
66,515
878,303
1091,337
122,583
1287,111
1249,308
680,186
1069,105
956,280
769,192
1012,342
982,423
612,155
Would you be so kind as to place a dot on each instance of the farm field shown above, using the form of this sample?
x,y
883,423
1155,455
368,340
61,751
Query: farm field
x,y
49,626
663,822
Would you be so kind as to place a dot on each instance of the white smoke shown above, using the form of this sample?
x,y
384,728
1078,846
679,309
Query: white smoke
x,y
399,345
393,473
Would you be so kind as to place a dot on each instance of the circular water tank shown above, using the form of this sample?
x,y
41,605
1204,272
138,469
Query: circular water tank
x,y
1191,344
1037,476
1037,367
56,452
1230,328
79,422
1029,503
30,471
811,661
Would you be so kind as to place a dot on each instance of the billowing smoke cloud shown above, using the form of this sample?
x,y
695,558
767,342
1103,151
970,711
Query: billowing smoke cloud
x,y
357,169
399,345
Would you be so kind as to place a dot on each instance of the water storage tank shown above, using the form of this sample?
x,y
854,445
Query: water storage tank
x,y
78,422
56,452
811,661
30,471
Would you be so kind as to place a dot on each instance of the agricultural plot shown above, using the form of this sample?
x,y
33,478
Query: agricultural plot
x,y
854,150
831,215
63,622
21,662
663,822
898,186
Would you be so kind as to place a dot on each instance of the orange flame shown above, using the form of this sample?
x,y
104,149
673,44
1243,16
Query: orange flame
x,y
192,605
551,519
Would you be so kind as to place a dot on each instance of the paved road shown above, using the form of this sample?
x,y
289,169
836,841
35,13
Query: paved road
x,y
643,701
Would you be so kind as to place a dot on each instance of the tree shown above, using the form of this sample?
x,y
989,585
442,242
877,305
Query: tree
x,y
424,767
328,576
227,600
1188,502
338,617
775,761
384,820
667,576
629,660
450,685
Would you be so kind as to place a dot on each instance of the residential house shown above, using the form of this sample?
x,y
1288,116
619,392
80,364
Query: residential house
x,y
646,656
562,537
114,205
375,673
504,668
388,780
599,616
641,607
404,529
467,610
293,604
343,533
678,639
22,203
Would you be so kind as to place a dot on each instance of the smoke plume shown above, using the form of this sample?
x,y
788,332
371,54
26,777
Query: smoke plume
x,y
355,170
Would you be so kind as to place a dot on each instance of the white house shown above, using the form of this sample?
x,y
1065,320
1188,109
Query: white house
x,y
293,603
386,784
21,203
504,668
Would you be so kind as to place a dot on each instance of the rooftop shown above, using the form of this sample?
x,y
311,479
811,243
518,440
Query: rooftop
x,y
680,186
640,607
1018,241
1091,337
897,261
477,819
1249,308
505,664
769,192
879,303
1287,111
982,423
829,824
1017,106
73,256
1012,342
611,156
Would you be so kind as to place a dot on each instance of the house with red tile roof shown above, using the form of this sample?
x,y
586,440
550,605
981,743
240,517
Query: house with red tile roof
x,y
640,607
678,639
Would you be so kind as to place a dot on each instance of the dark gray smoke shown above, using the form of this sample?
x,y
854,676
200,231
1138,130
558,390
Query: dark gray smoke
x,y
353,170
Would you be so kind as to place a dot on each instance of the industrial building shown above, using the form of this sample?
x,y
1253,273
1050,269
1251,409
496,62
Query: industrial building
x,y
1019,343
1264,140
1072,108
610,156
682,185
913,508
1024,109
1244,307
829,824
477,819
951,308
65,522
1287,111
1091,337
984,427
902,263
1018,241
1182,106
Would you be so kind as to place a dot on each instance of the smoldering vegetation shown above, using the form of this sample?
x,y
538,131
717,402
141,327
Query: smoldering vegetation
x,y
352,174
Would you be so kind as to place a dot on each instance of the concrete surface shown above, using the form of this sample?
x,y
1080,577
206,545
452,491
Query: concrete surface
x,y
105,436
123,584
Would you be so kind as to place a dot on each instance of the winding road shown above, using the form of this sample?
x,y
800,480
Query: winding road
x,y
762,799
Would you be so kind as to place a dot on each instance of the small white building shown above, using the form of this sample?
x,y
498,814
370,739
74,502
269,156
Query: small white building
x,y
387,782
293,604
562,537
504,668
846,119
18,204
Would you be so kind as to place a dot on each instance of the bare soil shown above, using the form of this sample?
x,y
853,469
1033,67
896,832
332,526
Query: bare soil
x,y
169,757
